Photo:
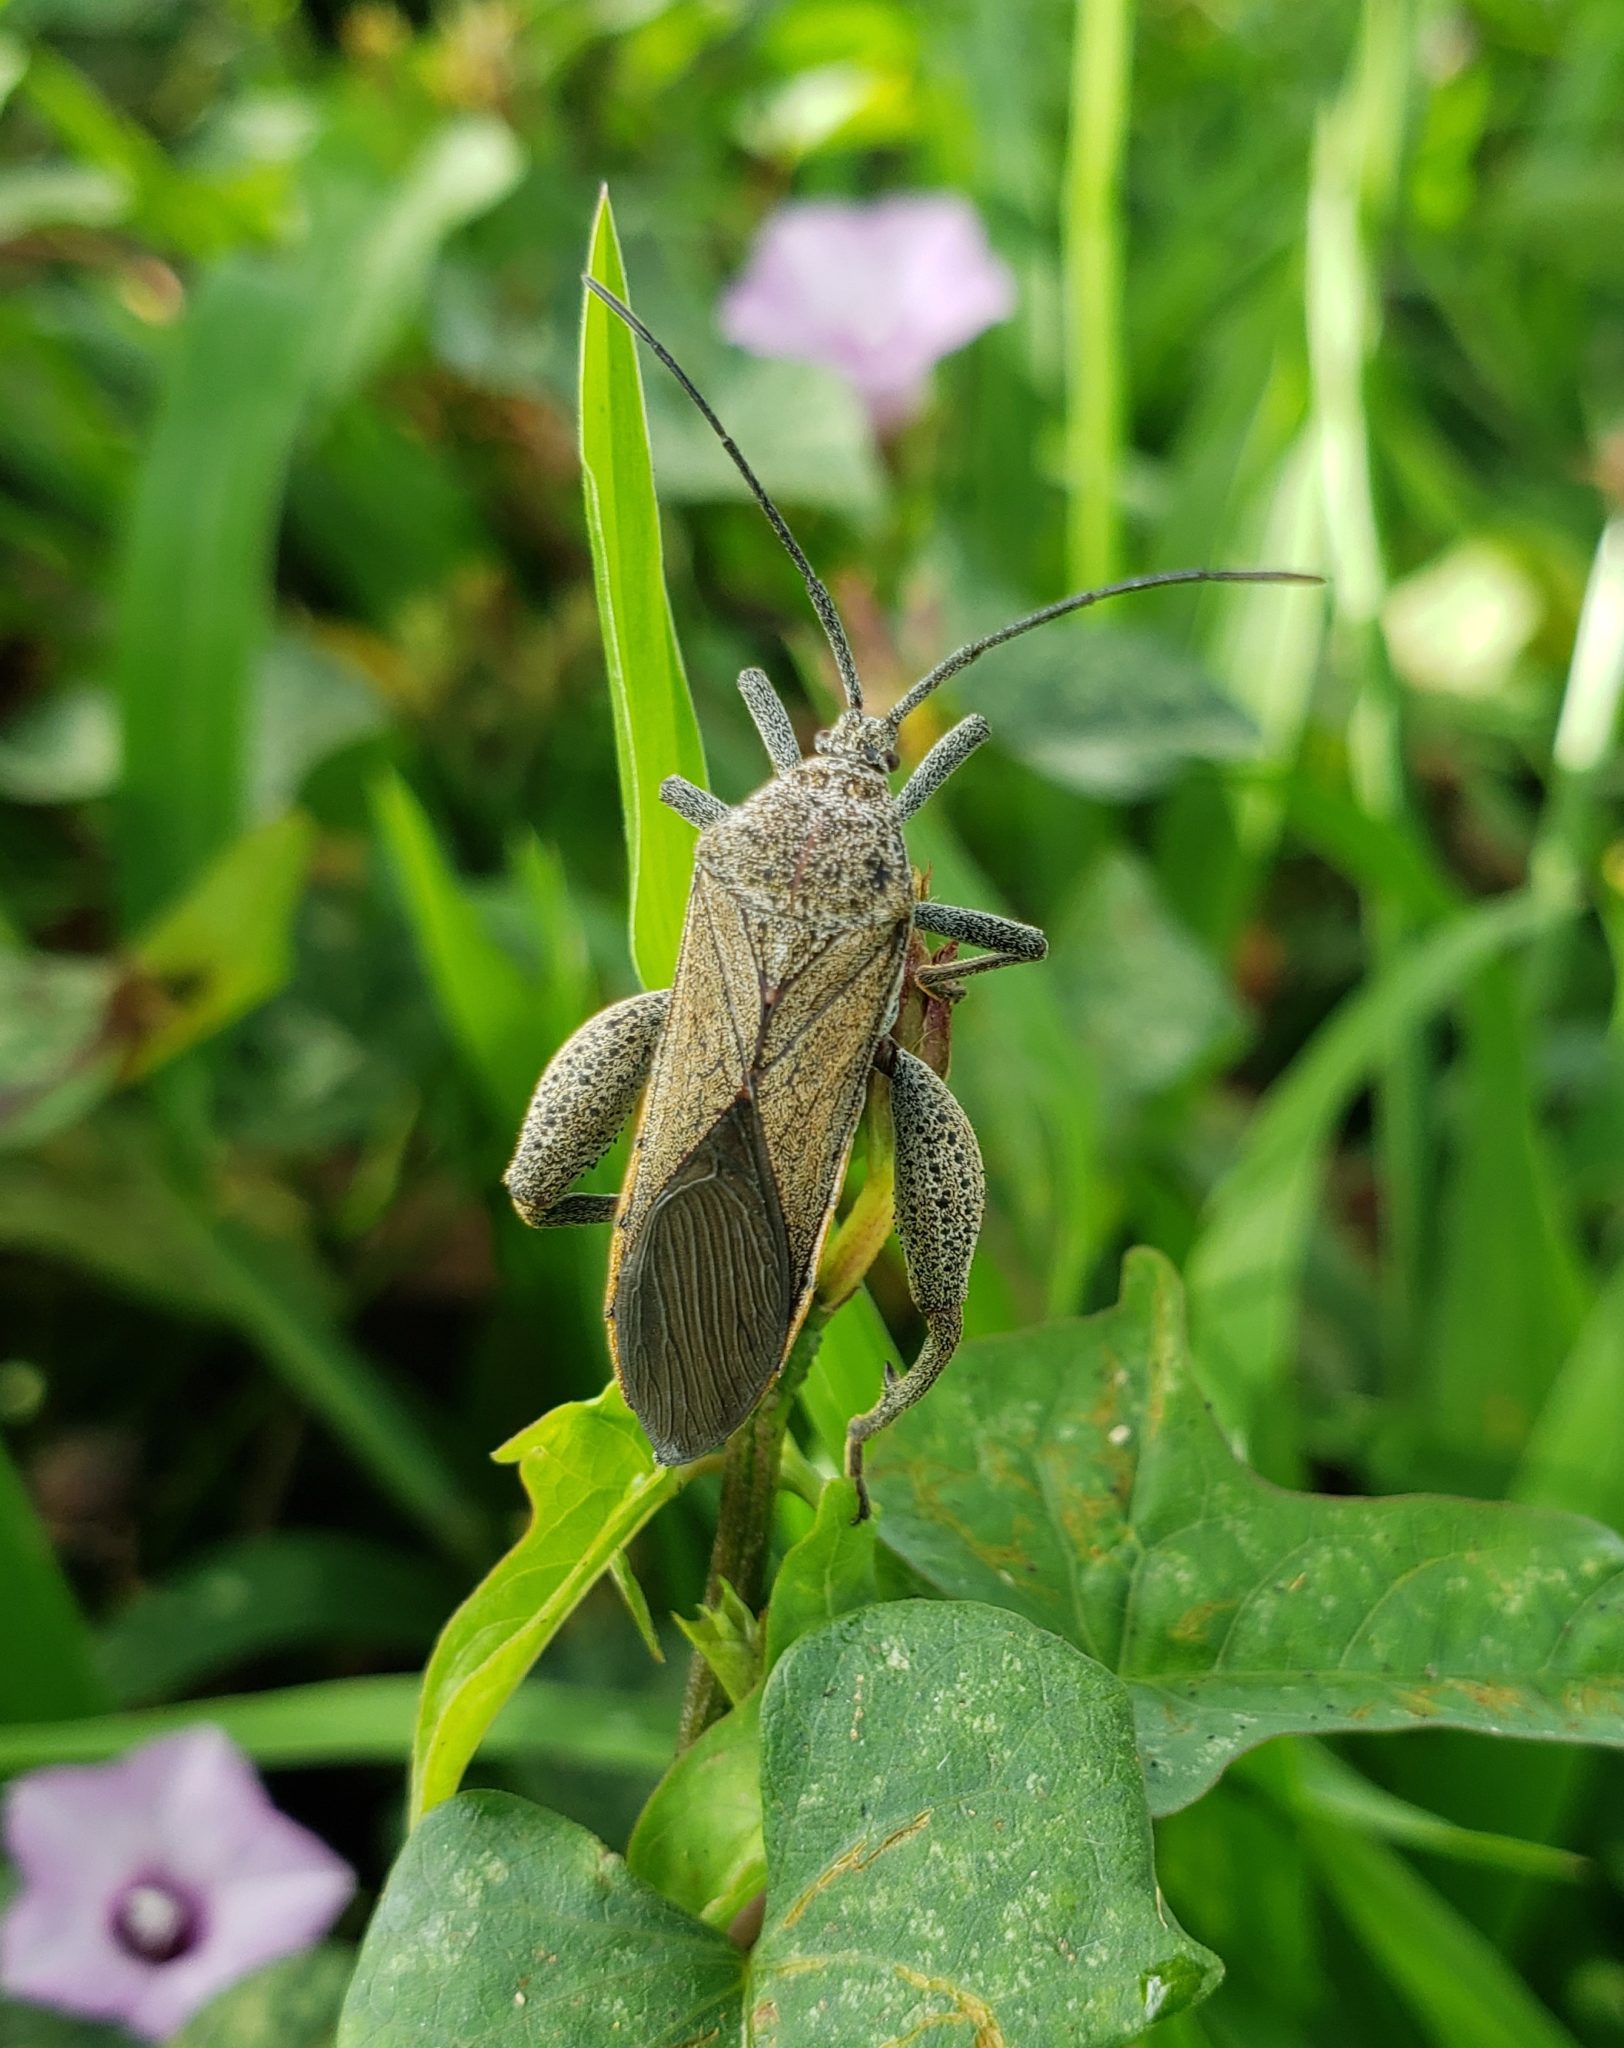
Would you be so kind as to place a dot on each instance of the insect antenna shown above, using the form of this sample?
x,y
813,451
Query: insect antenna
x,y
972,650
822,603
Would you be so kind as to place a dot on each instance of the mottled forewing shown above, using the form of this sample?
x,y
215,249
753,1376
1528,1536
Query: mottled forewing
x,y
707,1047
820,1029
705,1293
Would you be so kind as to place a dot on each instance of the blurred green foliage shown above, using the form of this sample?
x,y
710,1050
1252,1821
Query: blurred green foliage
x,y
310,849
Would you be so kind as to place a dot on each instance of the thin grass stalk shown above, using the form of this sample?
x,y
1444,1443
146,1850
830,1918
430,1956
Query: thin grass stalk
x,y
1096,399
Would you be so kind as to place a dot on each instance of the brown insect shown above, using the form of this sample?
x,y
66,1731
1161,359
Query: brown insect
x,y
753,1065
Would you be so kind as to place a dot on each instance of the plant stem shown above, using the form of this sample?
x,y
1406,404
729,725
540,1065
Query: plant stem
x,y
744,1520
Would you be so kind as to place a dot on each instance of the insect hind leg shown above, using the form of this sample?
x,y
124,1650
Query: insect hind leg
x,y
771,719
1013,944
940,1195
589,1089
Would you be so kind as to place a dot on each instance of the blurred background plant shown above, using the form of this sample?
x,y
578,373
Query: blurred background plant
x,y
309,853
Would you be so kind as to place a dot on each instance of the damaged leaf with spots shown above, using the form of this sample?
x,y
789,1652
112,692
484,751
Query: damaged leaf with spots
x,y
1075,1475
957,1843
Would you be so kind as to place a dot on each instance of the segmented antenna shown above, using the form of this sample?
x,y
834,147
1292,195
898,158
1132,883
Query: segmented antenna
x,y
973,650
822,603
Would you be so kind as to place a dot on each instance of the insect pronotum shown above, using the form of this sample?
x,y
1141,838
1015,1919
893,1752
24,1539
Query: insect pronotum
x,y
753,1065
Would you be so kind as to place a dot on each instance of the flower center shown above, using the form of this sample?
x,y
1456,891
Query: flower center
x,y
156,1921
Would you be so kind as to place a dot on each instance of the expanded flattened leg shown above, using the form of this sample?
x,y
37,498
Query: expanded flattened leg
x,y
950,753
940,1193
689,801
589,1089
1013,944
771,719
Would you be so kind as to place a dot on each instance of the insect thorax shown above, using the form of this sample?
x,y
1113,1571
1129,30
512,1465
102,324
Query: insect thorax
x,y
819,847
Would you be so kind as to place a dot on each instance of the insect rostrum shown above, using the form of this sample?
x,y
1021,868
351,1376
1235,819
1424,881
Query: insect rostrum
x,y
754,1064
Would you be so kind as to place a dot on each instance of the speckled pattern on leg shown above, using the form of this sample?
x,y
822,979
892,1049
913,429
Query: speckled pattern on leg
x,y
588,1091
941,1192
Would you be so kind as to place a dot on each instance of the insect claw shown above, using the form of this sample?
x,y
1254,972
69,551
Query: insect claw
x,y
891,1375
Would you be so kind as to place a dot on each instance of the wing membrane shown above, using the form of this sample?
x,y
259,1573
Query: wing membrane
x,y
705,1293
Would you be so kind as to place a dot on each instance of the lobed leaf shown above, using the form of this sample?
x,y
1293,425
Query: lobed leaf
x,y
1075,1475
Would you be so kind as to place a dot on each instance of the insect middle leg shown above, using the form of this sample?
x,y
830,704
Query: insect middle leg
x,y
589,1089
940,1194
1012,944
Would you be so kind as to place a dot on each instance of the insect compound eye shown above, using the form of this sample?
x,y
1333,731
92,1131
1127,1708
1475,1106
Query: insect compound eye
x,y
892,763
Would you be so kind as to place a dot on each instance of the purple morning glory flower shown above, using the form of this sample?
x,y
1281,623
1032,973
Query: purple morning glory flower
x,y
879,291
151,1884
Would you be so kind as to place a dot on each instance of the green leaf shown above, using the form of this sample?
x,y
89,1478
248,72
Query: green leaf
x,y
956,1837
1075,1475
104,1200
1572,1456
298,1588
1149,1003
362,1720
829,1572
728,1636
488,1004
592,1482
656,733
807,434
847,1370
1507,1298
266,339
293,2004
698,1840
47,1669
227,945
504,1924
57,1058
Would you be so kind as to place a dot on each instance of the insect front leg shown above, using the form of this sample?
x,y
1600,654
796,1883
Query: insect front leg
x,y
950,753
1012,944
940,1193
589,1089
771,719
689,801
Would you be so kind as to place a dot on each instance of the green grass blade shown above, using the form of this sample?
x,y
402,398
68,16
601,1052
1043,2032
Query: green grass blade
x,y
362,1720
488,1005
1459,1988
47,1669
1245,1269
656,733
107,1205
1096,404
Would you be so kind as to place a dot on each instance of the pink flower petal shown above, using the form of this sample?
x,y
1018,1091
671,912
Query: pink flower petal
x,y
879,292
186,1812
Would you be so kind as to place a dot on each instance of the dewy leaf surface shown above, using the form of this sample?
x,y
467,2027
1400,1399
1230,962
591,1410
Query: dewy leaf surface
x,y
958,1846
1075,1475
593,1483
504,1926
957,1840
